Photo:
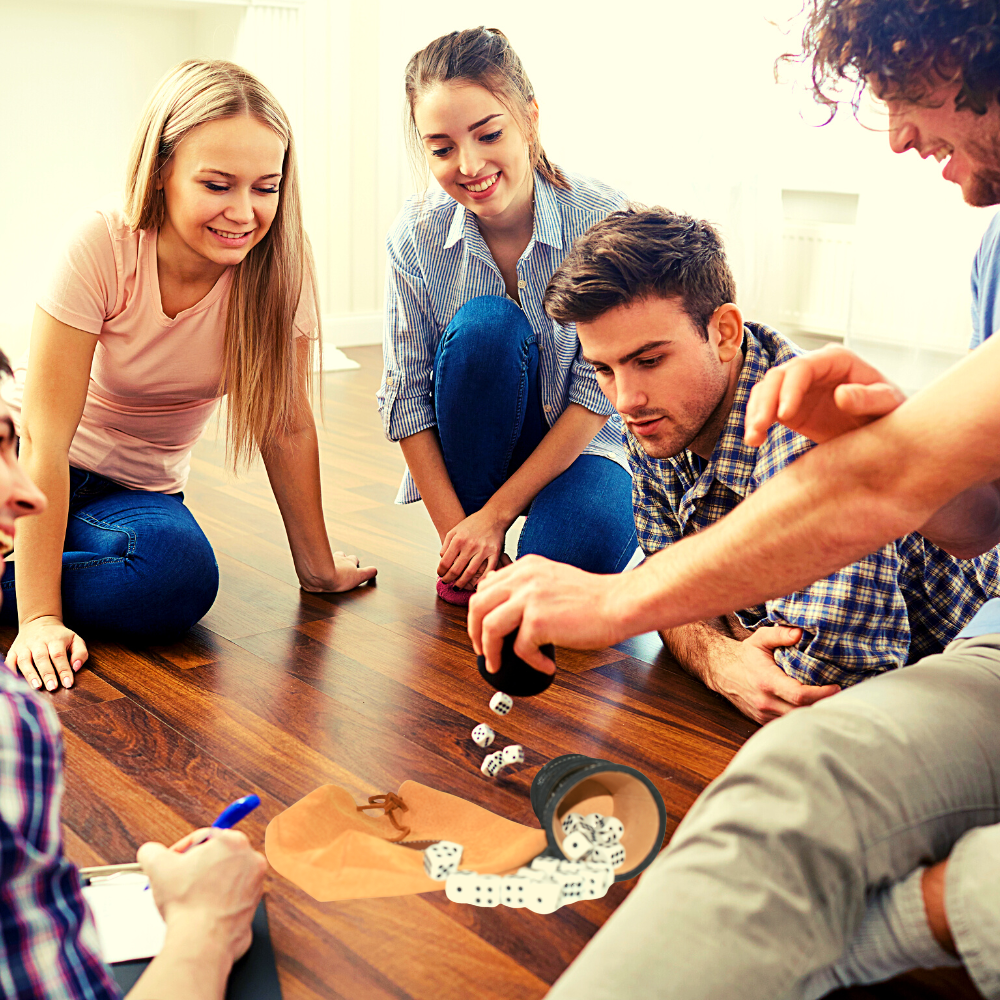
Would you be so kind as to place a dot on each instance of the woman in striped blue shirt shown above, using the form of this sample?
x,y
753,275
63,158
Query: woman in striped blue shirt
x,y
495,409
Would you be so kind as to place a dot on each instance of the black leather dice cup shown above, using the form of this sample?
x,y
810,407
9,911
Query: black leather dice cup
x,y
515,677
581,784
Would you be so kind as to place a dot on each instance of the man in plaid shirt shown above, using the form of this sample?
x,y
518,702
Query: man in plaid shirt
x,y
653,297
48,944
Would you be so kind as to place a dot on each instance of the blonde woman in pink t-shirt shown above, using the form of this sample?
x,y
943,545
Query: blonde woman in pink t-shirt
x,y
202,286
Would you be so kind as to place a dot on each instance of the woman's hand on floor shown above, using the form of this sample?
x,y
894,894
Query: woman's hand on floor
x,y
348,573
46,652
472,548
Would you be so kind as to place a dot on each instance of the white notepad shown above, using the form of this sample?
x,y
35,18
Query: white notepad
x,y
129,925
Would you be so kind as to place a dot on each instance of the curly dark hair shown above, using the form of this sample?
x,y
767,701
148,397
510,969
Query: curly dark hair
x,y
900,47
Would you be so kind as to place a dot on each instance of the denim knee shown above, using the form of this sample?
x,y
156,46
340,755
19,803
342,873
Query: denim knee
x,y
177,584
487,322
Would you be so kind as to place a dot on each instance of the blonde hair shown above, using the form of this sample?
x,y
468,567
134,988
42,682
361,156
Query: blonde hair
x,y
259,365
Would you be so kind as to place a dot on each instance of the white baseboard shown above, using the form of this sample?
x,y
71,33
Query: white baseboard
x,y
354,330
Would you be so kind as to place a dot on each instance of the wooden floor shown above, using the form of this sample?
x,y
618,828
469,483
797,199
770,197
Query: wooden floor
x,y
278,692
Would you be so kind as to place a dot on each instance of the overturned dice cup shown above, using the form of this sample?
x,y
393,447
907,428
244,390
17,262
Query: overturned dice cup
x,y
515,677
577,783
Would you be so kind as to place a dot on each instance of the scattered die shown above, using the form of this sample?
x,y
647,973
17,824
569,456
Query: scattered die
x,y
486,891
613,854
514,754
473,888
597,879
501,703
571,884
577,844
611,831
492,764
441,859
482,735
544,863
514,890
458,887
594,821
571,822
543,897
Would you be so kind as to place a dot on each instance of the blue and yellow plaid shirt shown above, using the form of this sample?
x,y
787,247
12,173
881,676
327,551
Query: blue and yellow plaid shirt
x,y
893,607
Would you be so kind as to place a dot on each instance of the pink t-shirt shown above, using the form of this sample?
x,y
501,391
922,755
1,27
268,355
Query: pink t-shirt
x,y
154,381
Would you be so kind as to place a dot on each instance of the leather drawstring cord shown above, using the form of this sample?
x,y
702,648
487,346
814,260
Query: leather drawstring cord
x,y
389,803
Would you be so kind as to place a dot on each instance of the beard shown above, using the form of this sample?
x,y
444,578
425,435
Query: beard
x,y
984,184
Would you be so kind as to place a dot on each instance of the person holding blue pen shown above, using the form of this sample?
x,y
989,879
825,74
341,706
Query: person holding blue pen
x,y
207,886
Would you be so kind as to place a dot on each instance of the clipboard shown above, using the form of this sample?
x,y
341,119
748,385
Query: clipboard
x,y
253,977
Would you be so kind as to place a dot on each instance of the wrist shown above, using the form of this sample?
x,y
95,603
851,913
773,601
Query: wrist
x,y
43,618
195,940
499,513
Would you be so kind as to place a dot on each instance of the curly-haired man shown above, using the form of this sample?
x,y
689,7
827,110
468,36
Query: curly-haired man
x,y
858,838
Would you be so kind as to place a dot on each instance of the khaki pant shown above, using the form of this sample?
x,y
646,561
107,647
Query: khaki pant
x,y
765,880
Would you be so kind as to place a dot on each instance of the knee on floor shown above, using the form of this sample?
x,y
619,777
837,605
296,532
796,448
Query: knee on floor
x,y
176,589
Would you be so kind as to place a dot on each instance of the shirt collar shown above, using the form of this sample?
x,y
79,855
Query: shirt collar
x,y
546,228
733,460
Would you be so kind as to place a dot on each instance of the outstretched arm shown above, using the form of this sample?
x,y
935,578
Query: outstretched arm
x,y
292,463
842,500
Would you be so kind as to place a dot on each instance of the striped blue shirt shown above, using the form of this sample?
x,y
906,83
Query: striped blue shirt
x,y
438,261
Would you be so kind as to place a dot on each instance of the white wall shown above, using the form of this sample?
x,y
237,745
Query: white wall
x,y
674,102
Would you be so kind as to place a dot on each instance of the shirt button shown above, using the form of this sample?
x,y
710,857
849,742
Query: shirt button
x,y
547,409
522,284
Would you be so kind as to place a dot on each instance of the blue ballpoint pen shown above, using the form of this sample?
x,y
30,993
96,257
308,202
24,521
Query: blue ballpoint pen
x,y
236,811
232,814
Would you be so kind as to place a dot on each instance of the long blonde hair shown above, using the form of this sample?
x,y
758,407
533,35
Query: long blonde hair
x,y
259,367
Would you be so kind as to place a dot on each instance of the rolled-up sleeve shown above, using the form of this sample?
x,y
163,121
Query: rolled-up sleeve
x,y
583,388
854,622
404,398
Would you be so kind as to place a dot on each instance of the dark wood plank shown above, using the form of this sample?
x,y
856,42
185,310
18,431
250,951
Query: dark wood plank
x,y
278,692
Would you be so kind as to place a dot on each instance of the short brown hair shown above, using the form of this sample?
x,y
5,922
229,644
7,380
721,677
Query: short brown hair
x,y
5,368
901,46
642,253
485,57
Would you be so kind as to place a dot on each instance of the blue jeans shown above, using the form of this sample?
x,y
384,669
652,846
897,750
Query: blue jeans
x,y
487,400
136,565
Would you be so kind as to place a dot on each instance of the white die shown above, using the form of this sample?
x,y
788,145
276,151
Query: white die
x,y
533,874
572,885
577,844
482,735
459,886
441,859
594,821
492,764
544,863
501,703
514,754
514,890
571,822
544,897
613,854
611,832
486,890
571,867
597,879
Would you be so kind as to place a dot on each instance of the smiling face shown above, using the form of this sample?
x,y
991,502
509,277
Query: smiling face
x,y
18,494
221,190
672,387
968,144
475,149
